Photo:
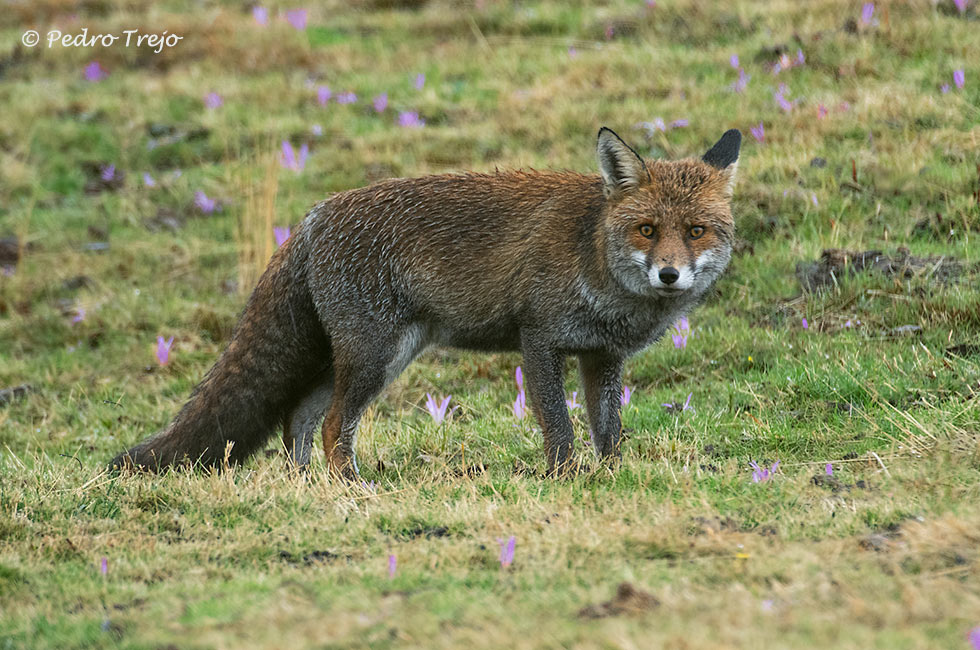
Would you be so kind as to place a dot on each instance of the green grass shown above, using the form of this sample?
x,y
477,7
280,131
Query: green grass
x,y
884,554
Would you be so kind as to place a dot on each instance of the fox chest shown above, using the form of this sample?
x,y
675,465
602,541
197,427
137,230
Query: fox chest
x,y
622,332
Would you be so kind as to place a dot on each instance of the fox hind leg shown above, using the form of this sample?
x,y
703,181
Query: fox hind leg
x,y
303,421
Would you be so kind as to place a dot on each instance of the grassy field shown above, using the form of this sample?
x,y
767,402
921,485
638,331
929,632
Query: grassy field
x,y
107,243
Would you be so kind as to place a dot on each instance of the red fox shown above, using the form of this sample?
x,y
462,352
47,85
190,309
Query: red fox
x,y
548,263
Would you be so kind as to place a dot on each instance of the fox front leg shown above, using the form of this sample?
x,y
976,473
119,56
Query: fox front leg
x,y
544,369
602,378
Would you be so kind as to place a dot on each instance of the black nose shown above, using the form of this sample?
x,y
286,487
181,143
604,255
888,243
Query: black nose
x,y
669,275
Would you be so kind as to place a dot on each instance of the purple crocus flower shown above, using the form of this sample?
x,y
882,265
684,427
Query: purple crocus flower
x,y
104,566
163,350
682,329
573,403
687,404
867,13
961,6
297,18
213,100
829,469
381,103
742,82
108,172
781,100
506,551
281,234
974,638
392,566
806,325
261,15
733,61
204,203
148,180
800,59
95,72
290,160
624,399
813,199
437,409
316,130
944,88
821,112
410,119
677,124
762,474
519,378
79,315
520,406
323,95
758,132
346,98
959,78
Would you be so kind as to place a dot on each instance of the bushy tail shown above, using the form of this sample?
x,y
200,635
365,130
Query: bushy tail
x,y
278,349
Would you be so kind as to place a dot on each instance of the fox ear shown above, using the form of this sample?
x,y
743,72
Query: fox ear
x,y
724,155
622,168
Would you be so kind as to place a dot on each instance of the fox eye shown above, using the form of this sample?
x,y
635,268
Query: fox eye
x,y
696,231
646,230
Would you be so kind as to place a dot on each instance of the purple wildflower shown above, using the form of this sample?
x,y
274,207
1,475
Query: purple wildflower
x,y
974,638
519,378
829,469
520,406
961,6
742,82
281,234
758,132
821,112
95,72
261,15
108,173
323,95
204,203
79,315
867,13
573,403
683,328
687,402
148,180
762,474
346,98
624,399
437,409
297,18
163,350
213,100
506,551
800,59
392,566
381,103
944,88
104,567
572,52
806,325
959,78
316,130
290,160
410,119
419,81
781,100
733,61
677,124
813,199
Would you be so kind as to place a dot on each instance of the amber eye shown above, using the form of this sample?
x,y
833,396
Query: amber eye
x,y
646,230
696,231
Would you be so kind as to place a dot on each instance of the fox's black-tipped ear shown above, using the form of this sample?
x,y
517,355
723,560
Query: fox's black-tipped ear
x,y
622,168
724,155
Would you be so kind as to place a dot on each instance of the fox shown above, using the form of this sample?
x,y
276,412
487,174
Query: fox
x,y
552,264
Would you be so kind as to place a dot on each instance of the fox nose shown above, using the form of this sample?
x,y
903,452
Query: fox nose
x,y
669,275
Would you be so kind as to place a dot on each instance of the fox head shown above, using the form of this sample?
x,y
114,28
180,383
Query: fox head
x,y
668,225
